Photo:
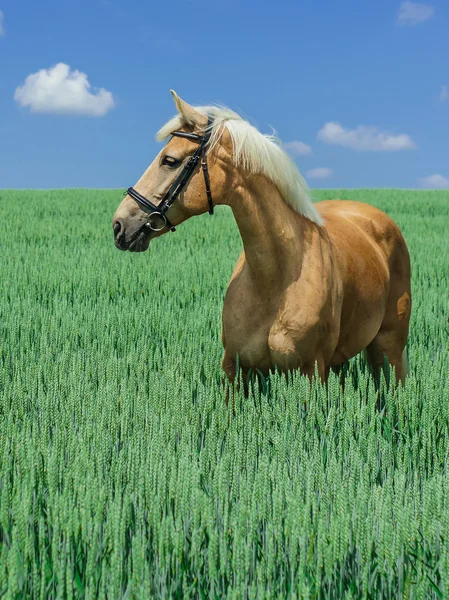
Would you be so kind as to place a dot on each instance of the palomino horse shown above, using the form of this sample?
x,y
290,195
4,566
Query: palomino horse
x,y
315,284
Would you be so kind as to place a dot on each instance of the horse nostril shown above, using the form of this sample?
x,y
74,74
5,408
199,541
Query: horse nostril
x,y
118,229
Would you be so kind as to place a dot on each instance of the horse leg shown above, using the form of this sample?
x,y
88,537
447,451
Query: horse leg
x,y
309,369
338,370
392,335
229,366
386,343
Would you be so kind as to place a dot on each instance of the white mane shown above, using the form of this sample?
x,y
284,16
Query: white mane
x,y
257,153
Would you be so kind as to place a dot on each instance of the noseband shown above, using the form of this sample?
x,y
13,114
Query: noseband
x,y
180,182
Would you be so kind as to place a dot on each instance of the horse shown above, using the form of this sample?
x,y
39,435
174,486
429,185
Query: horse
x,y
315,284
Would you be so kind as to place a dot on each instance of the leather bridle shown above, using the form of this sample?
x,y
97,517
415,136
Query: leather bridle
x,y
179,184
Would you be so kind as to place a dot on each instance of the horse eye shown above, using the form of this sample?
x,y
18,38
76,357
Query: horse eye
x,y
170,161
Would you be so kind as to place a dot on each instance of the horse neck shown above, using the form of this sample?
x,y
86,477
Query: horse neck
x,y
275,237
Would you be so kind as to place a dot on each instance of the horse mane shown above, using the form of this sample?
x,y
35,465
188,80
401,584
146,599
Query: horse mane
x,y
257,153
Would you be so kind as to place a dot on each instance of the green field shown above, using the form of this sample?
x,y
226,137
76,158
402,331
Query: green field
x,y
123,474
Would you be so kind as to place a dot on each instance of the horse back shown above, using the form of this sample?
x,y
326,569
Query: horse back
x,y
358,225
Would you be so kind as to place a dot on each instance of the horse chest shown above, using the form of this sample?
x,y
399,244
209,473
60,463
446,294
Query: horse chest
x,y
262,335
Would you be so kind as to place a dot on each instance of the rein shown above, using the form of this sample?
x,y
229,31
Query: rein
x,y
160,211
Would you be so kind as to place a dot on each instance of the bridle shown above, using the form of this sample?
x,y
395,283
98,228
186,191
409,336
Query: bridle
x,y
179,184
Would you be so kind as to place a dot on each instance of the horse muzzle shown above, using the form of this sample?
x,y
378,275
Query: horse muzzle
x,y
135,241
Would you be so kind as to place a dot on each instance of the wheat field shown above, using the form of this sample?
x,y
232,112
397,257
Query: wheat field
x,y
124,475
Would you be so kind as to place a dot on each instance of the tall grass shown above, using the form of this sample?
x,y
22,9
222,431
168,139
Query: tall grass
x,y
123,474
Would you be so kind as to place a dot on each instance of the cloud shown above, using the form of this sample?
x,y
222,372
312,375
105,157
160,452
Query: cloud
x,y
62,91
411,13
435,181
2,27
364,138
298,148
444,94
319,173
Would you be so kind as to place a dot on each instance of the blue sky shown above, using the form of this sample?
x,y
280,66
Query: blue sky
x,y
364,86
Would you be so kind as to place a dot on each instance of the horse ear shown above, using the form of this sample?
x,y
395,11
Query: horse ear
x,y
190,115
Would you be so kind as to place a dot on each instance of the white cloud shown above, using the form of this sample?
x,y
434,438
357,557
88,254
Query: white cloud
x,y
364,138
319,173
435,181
2,27
62,91
444,94
411,13
298,148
